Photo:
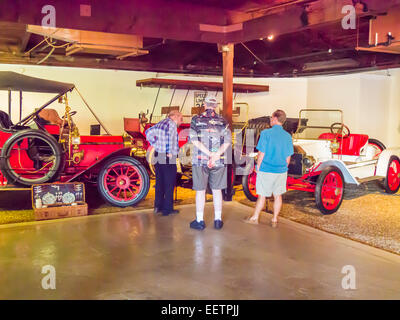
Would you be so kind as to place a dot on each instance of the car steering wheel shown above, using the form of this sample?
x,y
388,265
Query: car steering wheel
x,y
340,129
72,113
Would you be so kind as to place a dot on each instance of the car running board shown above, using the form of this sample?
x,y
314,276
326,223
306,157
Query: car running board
x,y
368,179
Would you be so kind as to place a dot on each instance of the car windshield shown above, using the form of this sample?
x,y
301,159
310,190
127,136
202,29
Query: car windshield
x,y
318,122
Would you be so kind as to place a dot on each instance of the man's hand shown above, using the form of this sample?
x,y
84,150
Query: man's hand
x,y
214,156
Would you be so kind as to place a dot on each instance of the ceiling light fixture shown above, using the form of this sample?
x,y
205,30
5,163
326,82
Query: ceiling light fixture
x,y
270,37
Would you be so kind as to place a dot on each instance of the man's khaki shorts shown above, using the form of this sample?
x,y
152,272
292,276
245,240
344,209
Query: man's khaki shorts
x,y
215,177
271,183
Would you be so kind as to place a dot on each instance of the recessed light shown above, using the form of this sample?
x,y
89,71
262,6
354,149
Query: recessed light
x,y
270,37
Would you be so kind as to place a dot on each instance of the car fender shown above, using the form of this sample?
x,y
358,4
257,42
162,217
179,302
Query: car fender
x,y
383,160
119,152
348,177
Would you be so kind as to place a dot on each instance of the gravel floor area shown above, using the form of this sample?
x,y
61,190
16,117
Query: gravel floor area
x,y
367,214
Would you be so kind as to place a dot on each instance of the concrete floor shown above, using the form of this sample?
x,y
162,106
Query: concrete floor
x,y
141,256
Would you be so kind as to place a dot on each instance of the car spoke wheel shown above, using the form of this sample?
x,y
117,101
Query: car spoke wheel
x,y
392,180
249,185
329,190
123,181
31,157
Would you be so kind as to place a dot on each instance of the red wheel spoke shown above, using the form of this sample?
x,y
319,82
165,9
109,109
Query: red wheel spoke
x,y
133,193
331,190
123,182
393,176
133,173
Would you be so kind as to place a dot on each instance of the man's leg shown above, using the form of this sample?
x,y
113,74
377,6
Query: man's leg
x,y
217,199
159,192
257,210
277,207
200,203
263,189
279,189
169,185
200,177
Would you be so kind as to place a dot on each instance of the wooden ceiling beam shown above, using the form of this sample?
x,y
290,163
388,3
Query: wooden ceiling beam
x,y
150,18
182,21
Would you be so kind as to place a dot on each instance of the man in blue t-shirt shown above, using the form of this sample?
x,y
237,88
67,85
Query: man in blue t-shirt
x,y
275,147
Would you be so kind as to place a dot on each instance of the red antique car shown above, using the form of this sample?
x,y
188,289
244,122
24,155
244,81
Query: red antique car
x,y
43,147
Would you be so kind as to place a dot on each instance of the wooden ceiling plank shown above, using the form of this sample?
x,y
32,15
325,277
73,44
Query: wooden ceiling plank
x,y
198,85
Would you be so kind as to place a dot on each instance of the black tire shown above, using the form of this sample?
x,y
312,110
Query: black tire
x,y
14,178
377,143
386,181
246,188
141,171
319,188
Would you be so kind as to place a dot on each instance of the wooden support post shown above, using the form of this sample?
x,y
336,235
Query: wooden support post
x,y
227,59
9,103
20,105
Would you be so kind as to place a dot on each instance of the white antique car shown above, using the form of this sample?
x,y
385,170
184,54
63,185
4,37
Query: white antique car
x,y
327,157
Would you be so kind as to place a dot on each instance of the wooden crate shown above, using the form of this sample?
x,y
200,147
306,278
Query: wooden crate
x,y
61,212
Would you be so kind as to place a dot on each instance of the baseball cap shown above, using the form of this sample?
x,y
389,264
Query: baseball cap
x,y
211,101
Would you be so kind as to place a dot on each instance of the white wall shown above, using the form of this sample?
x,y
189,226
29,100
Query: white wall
x,y
114,95
340,92
393,113
370,101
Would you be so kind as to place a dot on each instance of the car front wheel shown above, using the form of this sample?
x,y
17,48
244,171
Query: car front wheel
x,y
329,190
123,181
249,186
392,180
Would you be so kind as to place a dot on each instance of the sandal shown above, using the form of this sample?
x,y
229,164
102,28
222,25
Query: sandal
x,y
250,221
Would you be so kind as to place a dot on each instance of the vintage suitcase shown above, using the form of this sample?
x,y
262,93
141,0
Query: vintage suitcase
x,y
59,200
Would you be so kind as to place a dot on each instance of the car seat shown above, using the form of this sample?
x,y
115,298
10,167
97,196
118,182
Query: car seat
x,y
5,121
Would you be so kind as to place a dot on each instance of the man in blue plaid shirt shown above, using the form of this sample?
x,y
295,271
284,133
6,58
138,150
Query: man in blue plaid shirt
x,y
163,137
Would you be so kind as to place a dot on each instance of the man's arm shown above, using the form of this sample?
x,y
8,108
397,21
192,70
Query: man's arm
x,y
260,159
227,134
201,147
194,137
216,155
150,137
288,160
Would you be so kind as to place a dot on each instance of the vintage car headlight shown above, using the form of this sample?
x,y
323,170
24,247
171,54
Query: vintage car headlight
x,y
335,146
308,161
76,140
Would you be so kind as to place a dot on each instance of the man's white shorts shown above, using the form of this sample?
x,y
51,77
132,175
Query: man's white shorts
x,y
271,183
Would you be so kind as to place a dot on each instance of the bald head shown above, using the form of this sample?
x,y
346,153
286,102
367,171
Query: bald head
x,y
176,116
